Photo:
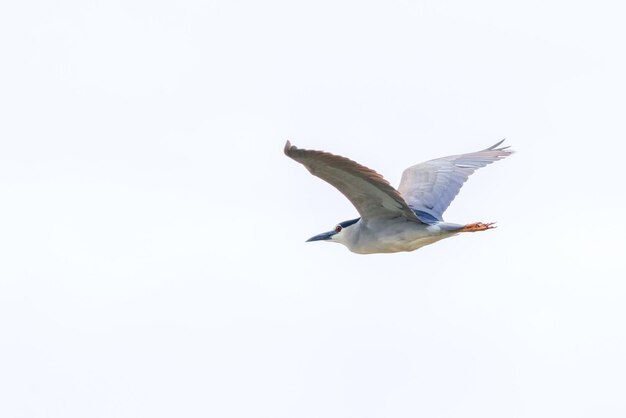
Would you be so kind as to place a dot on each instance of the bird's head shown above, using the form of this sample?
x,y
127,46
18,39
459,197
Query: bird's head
x,y
338,234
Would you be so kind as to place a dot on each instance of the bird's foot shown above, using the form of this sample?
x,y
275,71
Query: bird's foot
x,y
478,226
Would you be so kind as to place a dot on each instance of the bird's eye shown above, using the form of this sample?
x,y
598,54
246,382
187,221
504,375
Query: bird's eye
x,y
338,229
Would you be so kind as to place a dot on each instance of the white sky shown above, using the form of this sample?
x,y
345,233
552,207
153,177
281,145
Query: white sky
x,y
152,255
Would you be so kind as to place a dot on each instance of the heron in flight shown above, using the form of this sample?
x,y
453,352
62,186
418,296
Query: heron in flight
x,y
396,220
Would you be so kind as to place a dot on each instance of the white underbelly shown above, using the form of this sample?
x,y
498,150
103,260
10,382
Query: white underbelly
x,y
406,241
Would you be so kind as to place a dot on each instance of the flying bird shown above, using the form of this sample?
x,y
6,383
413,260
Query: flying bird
x,y
396,220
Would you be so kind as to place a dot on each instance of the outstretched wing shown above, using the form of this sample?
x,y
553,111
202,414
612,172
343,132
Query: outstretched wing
x,y
372,196
431,186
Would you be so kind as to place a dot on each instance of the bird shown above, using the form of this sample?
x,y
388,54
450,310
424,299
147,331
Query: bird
x,y
403,219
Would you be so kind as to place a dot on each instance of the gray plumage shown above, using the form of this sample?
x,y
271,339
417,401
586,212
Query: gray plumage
x,y
431,186
396,220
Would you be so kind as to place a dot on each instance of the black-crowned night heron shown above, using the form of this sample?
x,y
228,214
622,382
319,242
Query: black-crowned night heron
x,y
396,220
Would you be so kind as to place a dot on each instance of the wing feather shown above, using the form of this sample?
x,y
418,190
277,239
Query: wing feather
x,y
372,196
431,186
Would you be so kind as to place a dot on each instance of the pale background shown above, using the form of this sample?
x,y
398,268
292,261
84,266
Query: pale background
x,y
152,255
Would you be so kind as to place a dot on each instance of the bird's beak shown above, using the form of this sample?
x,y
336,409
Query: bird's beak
x,y
322,236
